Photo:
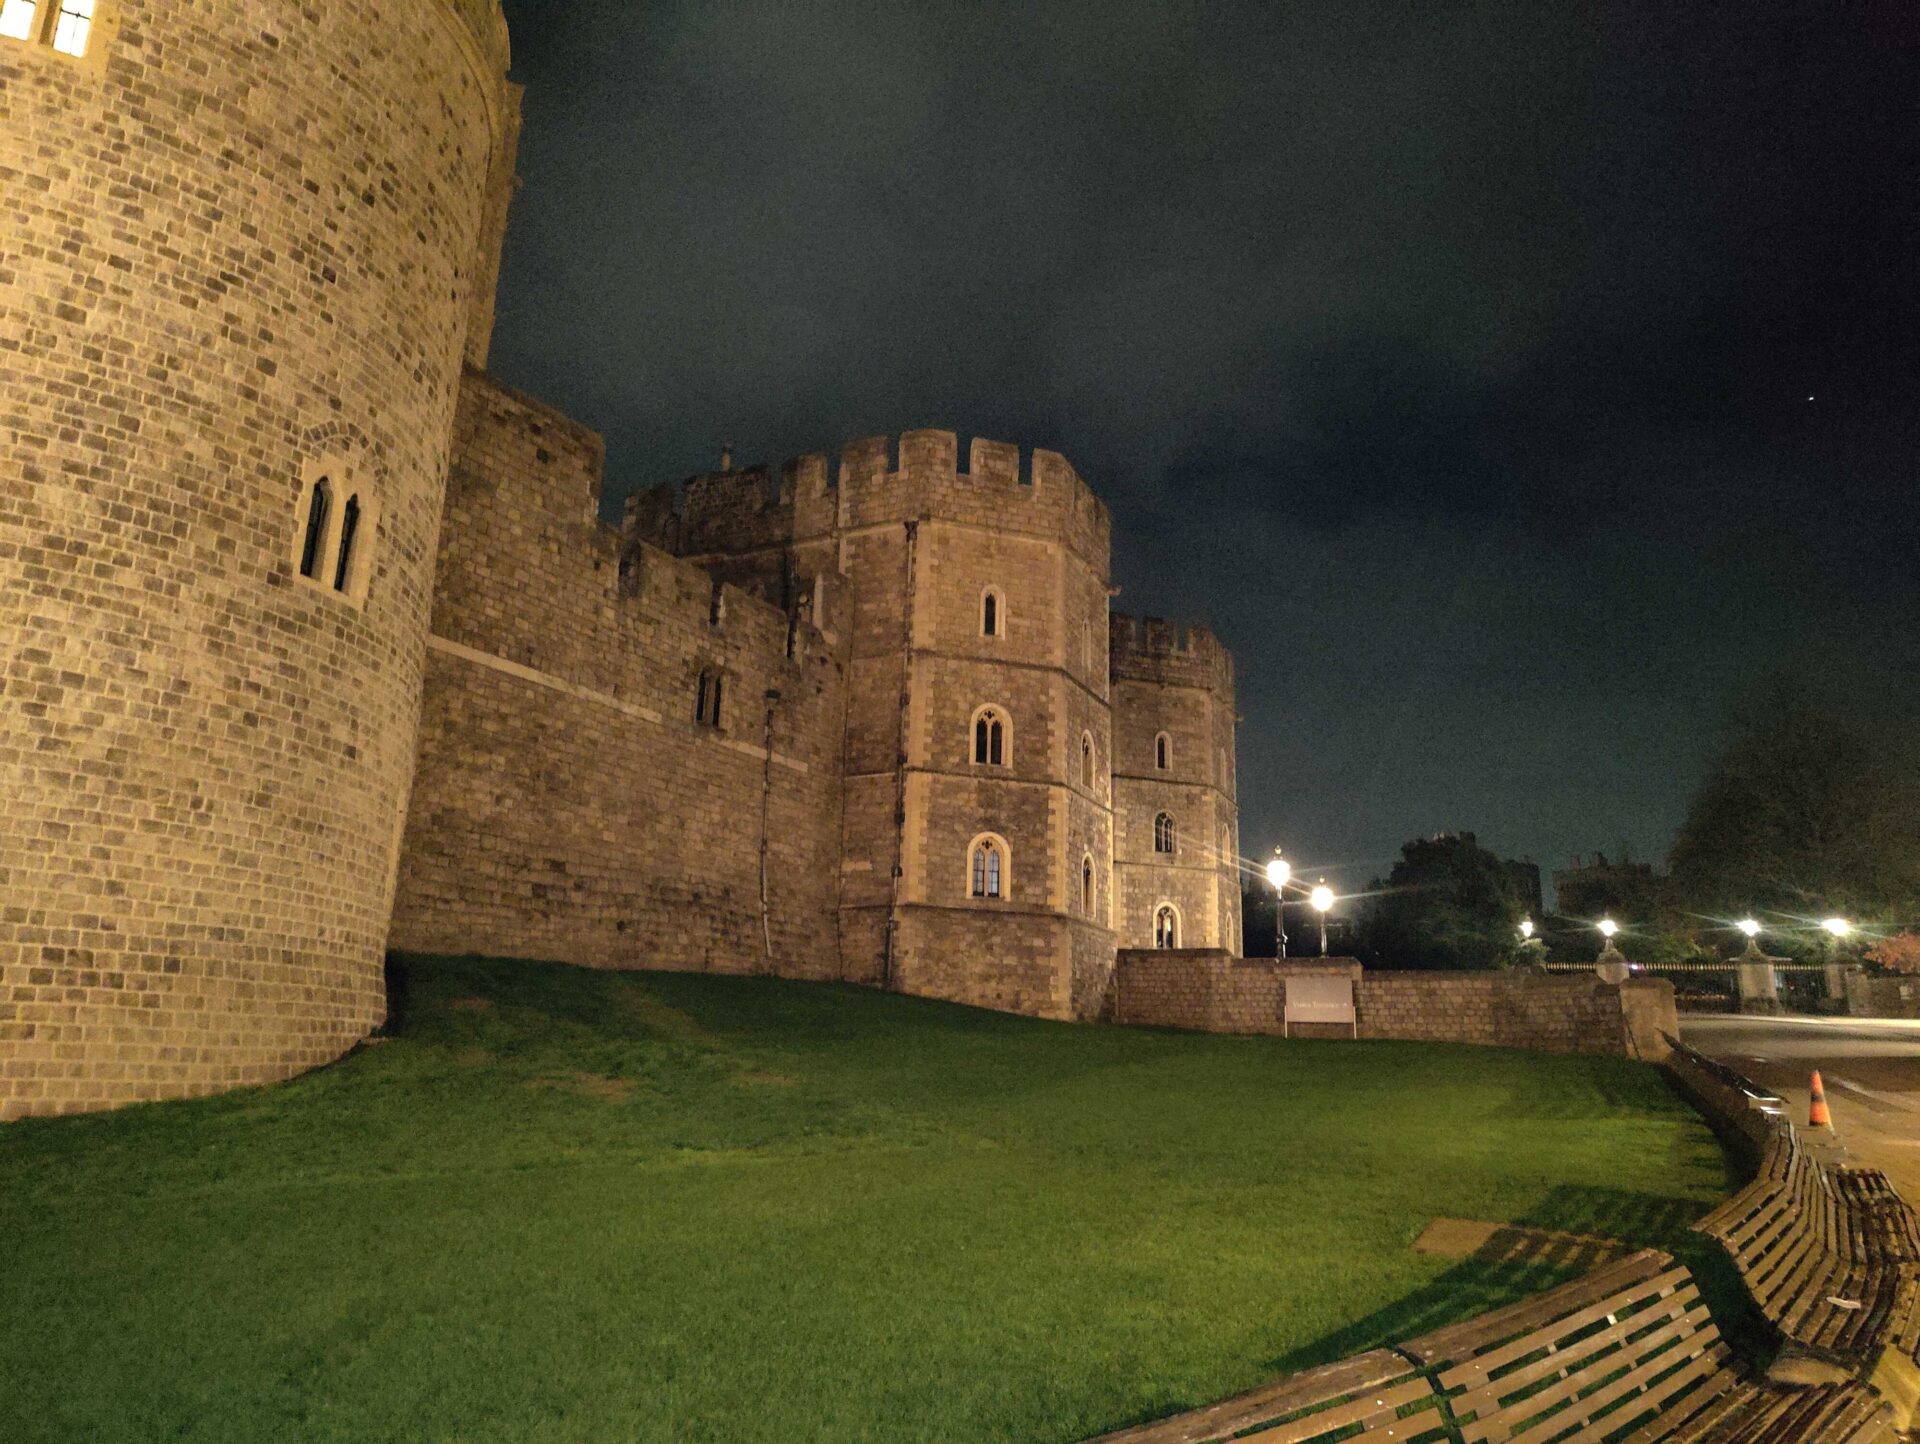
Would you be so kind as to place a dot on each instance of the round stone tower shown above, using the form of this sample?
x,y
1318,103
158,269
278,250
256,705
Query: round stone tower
x,y
247,246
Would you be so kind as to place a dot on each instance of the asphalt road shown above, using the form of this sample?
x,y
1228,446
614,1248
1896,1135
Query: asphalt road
x,y
1871,1069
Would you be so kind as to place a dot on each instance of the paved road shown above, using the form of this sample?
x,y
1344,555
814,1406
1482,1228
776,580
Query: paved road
x,y
1871,1068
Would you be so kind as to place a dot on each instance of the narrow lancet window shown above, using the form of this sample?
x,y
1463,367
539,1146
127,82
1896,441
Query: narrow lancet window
x,y
349,533
987,869
989,739
990,615
319,501
1166,928
18,19
1163,752
72,26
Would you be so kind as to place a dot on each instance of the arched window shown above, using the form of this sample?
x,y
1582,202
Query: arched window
x,y
1163,752
349,533
66,25
989,867
319,503
1163,833
706,707
1086,760
990,738
992,614
1166,926
72,20
1086,885
19,19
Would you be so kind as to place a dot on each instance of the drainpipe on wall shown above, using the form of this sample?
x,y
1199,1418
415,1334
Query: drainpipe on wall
x,y
911,563
766,836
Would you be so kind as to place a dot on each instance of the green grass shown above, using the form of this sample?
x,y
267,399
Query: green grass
x,y
564,1205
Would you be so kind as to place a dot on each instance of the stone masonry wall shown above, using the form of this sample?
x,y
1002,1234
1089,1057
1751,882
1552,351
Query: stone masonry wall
x,y
921,542
1208,990
568,804
1176,683
239,251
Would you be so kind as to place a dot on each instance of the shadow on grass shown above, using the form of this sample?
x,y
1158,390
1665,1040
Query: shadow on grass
x,y
1514,1266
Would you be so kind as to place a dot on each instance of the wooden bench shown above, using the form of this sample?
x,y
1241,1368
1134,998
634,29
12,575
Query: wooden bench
x,y
1369,1390
1628,1352
1824,1253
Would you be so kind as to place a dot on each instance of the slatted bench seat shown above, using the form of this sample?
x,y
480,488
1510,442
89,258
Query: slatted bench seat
x,y
1369,1390
1823,1253
1630,1339
1627,1353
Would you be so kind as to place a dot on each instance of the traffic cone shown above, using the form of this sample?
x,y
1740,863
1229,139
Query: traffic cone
x,y
1817,1114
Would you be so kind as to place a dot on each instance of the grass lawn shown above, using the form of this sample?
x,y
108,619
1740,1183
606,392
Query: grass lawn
x,y
567,1205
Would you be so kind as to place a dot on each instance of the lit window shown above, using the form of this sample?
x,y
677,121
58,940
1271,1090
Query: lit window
x,y
17,18
319,504
989,739
706,707
349,533
989,868
1163,833
72,25
1166,927
1163,752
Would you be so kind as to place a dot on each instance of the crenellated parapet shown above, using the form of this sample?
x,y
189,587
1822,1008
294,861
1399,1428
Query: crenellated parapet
x,y
1152,649
876,480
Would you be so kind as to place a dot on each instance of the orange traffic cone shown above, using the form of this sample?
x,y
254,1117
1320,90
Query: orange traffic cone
x,y
1817,1115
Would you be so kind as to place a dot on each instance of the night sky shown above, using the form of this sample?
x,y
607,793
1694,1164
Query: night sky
x,y
1519,390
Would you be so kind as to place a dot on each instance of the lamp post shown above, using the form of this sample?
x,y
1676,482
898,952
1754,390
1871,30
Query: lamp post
x,y
1278,871
1837,928
1526,929
1322,900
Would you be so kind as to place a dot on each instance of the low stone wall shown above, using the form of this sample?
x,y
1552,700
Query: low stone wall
x,y
1213,992
1876,997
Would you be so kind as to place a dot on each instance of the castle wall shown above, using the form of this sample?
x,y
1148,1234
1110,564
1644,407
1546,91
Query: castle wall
x,y
239,248
1178,685
1214,992
568,804
921,543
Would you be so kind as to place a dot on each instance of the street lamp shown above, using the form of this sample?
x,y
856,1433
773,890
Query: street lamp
x,y
1608,927
1839,927
1749,927
1322,899
1526,928
1278,871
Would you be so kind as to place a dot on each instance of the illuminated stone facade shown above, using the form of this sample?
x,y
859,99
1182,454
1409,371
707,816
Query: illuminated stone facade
x,y
859,721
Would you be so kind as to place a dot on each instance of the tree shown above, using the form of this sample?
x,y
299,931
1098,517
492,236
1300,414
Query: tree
x,y
1448,903
1806,812
1897,954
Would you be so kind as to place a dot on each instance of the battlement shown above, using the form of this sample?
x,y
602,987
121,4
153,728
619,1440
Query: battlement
x,y
1152,649
878,479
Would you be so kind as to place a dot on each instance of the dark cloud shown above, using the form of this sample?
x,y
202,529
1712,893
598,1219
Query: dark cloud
x,y
1451,360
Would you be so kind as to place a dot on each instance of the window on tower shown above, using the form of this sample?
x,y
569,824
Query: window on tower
x,y
65,26
987,867
989,738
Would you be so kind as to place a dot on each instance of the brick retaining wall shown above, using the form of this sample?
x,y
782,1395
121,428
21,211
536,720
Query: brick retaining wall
x,y
1211,991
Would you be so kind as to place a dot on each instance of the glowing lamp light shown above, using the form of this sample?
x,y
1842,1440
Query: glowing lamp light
x,y
1749,927
1278,871
1608,927
1839,927
1321,898
1526,927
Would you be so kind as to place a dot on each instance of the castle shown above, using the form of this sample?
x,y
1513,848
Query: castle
x,y
312,642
